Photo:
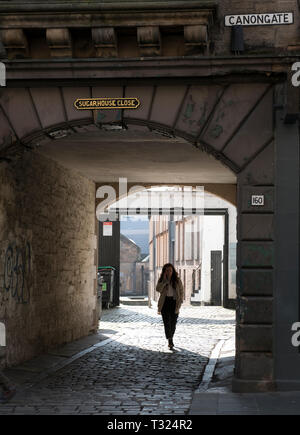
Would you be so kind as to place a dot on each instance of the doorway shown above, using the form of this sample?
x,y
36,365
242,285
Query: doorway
x,y
216,277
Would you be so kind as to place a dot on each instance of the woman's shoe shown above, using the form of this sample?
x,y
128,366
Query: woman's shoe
x,y
171,344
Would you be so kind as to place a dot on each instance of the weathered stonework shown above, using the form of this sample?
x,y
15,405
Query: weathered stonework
x,y
218,100
47,237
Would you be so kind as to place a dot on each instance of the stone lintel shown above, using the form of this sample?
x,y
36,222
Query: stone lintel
x,y
132,18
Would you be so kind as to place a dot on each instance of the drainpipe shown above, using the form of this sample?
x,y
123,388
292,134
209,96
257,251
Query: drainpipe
x,y
171,239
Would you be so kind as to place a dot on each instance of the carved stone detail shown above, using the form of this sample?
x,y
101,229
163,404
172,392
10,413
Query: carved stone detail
x,y
105,42
15,42
60,42
196,38
149,40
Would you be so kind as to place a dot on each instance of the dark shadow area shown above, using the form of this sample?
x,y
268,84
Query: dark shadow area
x,y
223,374
120,377
121,367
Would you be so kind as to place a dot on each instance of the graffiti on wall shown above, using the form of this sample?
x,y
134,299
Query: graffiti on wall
x,y
17,271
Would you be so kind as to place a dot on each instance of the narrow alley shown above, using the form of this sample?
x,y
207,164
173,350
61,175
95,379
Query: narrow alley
x,y
128,369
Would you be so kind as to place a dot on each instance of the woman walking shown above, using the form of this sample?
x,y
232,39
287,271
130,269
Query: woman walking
x,y
170,288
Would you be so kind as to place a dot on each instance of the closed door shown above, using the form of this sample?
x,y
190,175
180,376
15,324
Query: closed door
x,y
216,277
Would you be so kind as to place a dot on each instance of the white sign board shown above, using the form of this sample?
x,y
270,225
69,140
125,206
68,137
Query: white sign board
x,y
107,228
257,200
2,74
2,335
260,19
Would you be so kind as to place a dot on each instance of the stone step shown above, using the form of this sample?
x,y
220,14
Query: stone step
x,y
134,300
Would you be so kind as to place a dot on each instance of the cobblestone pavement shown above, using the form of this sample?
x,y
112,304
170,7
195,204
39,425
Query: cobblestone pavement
x,y
134,372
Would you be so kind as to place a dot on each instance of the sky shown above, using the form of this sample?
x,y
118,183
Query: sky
x,y
136,228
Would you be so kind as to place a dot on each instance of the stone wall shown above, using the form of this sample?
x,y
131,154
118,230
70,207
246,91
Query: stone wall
x,y
47,256
141,32
129,255
259,40
254,369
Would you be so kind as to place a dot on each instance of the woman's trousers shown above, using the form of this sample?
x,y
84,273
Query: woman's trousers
x,y
169,316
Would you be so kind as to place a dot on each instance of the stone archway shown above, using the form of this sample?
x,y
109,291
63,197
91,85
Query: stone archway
x,y
234,123
215,118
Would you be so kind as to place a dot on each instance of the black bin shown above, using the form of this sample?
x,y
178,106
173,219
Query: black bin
x,y
106,282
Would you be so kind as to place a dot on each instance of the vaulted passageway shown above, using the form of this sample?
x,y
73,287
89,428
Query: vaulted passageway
x,y
188,134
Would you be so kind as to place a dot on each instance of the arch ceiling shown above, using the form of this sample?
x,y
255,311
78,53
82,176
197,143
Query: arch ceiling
x,y
175,133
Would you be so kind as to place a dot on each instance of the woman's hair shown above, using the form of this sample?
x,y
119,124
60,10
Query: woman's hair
x,y
174,278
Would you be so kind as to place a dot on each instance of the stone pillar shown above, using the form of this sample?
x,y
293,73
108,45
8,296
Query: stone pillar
x,y
255,283
287,307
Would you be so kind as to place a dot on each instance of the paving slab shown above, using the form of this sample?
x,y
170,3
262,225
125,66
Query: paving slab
x,y
278,403
218,398
127,367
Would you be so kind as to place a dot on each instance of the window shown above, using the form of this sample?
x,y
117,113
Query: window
x,y
188,239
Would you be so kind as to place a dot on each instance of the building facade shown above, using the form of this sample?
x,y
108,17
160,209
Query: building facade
x,y
134,268
130,254
191,243
205,88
